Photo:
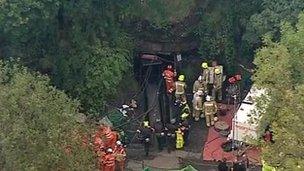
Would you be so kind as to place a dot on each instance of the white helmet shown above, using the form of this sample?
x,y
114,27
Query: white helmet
x,y
208,98
172,121
118,143
109,150
200,78
215,119
200,92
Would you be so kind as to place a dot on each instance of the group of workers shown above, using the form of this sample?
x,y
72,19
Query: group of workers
x,y
109,149
207,89
171,135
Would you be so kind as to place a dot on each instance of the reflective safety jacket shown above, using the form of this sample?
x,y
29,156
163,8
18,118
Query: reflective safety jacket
x,y
211,75
198,86
120,153
218,78
179,139
180,87
210,107
198,102
108,162
169,79
205,75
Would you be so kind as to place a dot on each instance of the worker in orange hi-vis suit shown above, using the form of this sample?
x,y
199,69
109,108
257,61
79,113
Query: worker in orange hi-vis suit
x,y
111,138
97,142
169,75
104,138
120,155
107,161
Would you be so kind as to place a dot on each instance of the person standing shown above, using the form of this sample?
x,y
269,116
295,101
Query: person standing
x,y
170,136
160,134
222,166
108,161
185,113
179,139
146,134
185,127
210,83
205,75
120,153
180,93
218,84
197,105
198,85
169,75
210,107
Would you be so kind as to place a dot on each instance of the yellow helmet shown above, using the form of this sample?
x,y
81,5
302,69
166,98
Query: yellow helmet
x,y
146,123
217,71
181,78
204,65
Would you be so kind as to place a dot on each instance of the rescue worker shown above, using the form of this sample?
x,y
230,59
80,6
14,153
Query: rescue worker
x,y
104,138
169,75
146,134
205,75
185,113
216,78
198,105
180,93
108,161
232,89
160,134
198,85
210,83
185,126
98,143
179,139
222,166
120,155
218,82
210,110
170,136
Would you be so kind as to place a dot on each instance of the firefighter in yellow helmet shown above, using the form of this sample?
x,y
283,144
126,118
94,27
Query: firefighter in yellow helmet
x,y
217,86
205,75
179,139
210,108
145,135
185,113
216,74
197,105
180,93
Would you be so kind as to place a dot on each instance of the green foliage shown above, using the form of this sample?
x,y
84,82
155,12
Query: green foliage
x,y
268,21
280,66
72,41
160,13
103,70
37,124
216,32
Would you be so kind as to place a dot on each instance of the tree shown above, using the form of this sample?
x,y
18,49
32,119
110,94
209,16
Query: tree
x,y
216,33
160,13
269,19
64,38
38,124
280,66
